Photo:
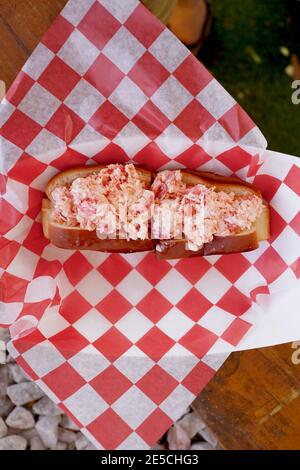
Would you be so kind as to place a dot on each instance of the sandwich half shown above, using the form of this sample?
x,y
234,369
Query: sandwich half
x,y
232,215
99,208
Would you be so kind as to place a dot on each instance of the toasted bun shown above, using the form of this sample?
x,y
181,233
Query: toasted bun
x,y
74,238
67,237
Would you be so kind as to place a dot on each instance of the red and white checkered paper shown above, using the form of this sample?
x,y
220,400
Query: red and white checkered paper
x,y
124,343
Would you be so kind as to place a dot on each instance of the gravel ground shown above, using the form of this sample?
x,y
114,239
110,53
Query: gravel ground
x,y
29,419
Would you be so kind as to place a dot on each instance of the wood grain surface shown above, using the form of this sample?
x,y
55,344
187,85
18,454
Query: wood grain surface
x,y
22,24
254,400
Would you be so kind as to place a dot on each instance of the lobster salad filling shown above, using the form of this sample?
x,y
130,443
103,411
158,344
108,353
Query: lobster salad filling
x,y
199,213
114,202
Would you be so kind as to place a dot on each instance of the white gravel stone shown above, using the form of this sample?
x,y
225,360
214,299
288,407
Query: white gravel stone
x,y
29,433
13,443
209,437
64,435
192,424
4,379
60,446
178,438
17,374
23,393
202,446
4,338
4,335
36,443
2,356
67,423
81,442
47,427
90,447
200,420
3,428
9,359
20,418
5,406
46,407
158,447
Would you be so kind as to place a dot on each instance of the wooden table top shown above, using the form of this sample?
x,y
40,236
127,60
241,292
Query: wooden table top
x,y
253,402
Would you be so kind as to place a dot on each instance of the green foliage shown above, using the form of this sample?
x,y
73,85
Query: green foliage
x,y
245,55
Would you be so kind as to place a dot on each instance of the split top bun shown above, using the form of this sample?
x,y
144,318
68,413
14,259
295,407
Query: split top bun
x,y
125,208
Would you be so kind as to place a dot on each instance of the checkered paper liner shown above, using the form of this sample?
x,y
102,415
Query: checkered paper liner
x,y
124,343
